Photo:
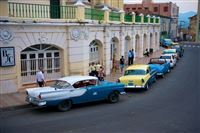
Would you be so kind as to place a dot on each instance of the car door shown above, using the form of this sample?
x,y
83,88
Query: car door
x,y
152,73
95,91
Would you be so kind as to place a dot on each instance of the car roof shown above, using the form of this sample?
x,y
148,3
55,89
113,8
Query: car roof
x,y
138,67
167,55
169,50
74,79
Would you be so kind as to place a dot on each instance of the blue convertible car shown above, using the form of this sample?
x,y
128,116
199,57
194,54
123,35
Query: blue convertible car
x,y
160,65
73,90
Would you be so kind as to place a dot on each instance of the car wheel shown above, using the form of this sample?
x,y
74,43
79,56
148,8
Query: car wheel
x,y
113,97
168,70
65,105
163,75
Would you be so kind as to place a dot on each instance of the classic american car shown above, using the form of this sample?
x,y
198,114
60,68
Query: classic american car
x,y
138,76
171,51
170,58
71,90
162,66
179,49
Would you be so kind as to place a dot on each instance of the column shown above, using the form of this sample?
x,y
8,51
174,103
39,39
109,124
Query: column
x,y
80,11
4,9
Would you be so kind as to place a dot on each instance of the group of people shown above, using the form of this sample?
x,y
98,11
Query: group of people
x,y
97,70
131,56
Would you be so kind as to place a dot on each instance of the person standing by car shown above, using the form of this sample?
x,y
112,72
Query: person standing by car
x,y
121,63
130,57
40,77
101,73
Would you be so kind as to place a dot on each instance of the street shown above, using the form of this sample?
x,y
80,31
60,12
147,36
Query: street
x,y
171,105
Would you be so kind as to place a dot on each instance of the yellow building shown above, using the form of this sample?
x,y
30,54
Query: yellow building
x,y
65,36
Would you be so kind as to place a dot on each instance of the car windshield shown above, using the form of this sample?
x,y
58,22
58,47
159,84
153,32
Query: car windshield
x,y
169,52
135,72
168,40
59,84
165,57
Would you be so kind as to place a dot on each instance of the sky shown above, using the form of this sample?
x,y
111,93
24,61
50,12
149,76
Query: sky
x,y
184,5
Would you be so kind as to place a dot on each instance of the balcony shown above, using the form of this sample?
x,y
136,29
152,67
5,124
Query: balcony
x,y
75,13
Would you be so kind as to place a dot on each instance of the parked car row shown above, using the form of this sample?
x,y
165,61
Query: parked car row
x,y
71,90
142,76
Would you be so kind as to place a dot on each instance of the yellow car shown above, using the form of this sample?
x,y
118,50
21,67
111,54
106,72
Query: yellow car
x,y
138,76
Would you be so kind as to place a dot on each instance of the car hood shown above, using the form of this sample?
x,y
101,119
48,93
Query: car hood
x,y
35,92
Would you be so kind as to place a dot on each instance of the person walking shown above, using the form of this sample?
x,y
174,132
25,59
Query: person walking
x,y
40,77
101,73
132,58
121,63
129,57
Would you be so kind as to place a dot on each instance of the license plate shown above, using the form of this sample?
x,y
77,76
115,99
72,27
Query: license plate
x,y
131,84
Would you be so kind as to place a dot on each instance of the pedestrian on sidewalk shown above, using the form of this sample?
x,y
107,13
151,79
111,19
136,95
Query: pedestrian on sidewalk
x,y
40,77
101,73
129,57
146,53
121,63
132,58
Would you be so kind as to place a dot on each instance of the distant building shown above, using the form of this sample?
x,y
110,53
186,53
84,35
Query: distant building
x,y
193,27
198,24
162,9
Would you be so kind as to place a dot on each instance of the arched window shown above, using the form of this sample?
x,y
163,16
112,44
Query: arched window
x,y
36,56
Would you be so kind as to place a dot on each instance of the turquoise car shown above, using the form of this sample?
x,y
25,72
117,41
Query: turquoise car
x,y
71,90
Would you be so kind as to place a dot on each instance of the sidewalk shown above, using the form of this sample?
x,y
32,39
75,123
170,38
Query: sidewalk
x,y
18,99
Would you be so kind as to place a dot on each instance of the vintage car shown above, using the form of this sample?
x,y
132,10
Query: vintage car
x,y
179,49
167,42
170,58
74,90
162,66
171,51
138,76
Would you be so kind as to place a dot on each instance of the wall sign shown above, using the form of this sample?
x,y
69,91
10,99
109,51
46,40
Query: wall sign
x,y
7,56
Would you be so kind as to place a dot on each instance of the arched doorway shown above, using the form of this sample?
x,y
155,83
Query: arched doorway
x,y
137,45
95,52
40,55
114,51
145,44
127,47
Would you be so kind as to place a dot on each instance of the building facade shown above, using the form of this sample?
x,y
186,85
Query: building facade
x,y
170,10
192,27
64,40
198,24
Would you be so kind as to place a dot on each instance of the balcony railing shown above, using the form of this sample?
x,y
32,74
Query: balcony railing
x,y
23,10
145,19
77,13
138,19
113,16
94,14
128,18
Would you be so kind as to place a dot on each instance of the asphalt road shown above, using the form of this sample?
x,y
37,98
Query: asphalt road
x,y
172,105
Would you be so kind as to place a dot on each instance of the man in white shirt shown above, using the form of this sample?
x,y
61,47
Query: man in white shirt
x,y
40,77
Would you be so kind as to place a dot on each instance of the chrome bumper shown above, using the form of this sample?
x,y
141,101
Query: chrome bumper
x,y
35,101
135,86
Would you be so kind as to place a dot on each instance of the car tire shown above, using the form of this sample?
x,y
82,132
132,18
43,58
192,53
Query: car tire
x,y
169,70
163,75
113,97
65,105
